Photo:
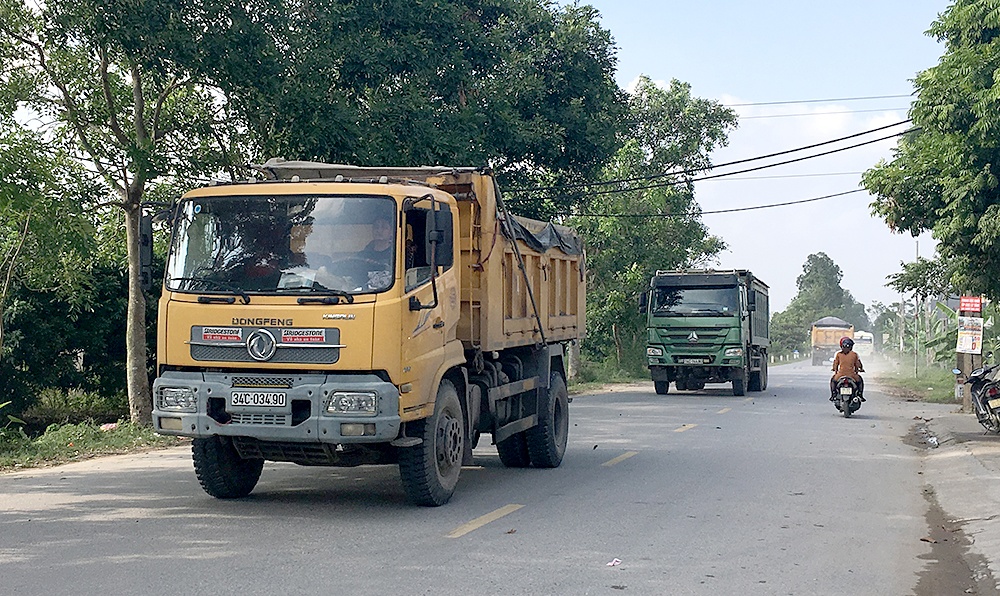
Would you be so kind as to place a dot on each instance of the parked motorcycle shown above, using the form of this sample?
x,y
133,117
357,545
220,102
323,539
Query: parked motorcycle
x,y
985,392
847,399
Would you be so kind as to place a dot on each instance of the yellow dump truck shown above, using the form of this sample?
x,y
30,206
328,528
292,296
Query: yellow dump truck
x,y
337,315
826,335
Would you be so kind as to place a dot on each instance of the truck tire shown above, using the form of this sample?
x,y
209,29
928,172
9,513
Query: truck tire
x,y
220,469
430,470
740,384
763,374
662,387
547,440
513,451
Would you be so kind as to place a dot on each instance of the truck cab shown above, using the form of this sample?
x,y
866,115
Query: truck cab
x,y
706,326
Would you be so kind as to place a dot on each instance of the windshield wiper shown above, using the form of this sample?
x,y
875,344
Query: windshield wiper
x,y
333,299
244,297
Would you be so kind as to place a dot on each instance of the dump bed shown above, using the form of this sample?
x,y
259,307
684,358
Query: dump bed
x,y
522,280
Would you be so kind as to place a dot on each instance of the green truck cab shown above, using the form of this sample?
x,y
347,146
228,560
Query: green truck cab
x,y
706,326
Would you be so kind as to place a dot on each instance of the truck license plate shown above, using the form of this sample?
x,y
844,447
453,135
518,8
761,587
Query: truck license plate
x,y
267,399
692,361
846,391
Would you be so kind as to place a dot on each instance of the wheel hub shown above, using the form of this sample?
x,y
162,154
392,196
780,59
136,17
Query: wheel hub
x,y
449,442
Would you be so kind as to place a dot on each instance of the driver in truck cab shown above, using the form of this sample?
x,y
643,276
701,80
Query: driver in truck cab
x,y
847,363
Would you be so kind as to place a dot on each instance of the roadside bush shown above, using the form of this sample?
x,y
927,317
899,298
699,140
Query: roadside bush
x,y
73,406
70,442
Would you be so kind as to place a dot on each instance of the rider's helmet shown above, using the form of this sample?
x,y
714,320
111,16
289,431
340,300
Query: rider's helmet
x,y
846,342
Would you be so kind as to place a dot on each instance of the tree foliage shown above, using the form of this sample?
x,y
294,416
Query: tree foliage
x,y
820,295
944,175
524,86
46,237
127,85
667,129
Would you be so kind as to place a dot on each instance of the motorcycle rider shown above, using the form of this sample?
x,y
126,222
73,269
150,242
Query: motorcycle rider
x,y
847,363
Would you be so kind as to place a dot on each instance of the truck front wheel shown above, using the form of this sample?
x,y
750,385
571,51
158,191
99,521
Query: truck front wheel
x,y
740,384
220,469
547,440
661,387
430,470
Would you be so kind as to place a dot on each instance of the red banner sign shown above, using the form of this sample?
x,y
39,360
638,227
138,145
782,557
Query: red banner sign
x,y
970,304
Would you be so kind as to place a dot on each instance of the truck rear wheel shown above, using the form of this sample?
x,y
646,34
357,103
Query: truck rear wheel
x,y
662,387
430,471
513,451
763,374
547,440
220,469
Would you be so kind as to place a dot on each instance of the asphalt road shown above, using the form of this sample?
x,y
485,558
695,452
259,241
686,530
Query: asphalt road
x,y
690,493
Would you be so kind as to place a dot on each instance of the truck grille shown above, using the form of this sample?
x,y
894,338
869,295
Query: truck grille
x,y
283,356
260,419
263,382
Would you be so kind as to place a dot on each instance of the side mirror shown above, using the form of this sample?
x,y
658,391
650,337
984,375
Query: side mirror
x,y
643,302
438,228
146,251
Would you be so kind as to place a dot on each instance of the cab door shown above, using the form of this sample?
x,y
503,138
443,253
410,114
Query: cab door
x,y
425,327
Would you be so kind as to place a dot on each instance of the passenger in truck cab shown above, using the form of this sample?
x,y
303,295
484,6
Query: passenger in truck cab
x,y
847,363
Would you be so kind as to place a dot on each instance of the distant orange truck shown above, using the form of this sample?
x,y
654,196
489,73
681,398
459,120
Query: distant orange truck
x,y
826,335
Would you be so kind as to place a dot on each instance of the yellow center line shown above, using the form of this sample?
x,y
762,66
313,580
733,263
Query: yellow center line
x,y
684,428
481,521
620,458
723,410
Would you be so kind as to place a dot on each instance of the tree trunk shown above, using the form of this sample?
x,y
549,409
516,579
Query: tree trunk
x,y
140,401
618,344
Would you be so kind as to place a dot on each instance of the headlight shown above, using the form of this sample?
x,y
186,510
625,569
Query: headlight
x,y
177,399
734,351
651,351
353,403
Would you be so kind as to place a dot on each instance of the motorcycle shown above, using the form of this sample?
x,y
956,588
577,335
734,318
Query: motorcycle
x,y
847,399
985,393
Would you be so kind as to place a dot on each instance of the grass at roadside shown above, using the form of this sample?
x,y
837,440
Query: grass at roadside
x,y
73,442
932,384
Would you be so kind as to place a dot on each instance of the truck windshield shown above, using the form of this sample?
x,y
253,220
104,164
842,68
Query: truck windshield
x,y
275,244
701,301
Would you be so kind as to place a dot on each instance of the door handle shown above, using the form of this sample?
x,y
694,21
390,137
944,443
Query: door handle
x,y
438,324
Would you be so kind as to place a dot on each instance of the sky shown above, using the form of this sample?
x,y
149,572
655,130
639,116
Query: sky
x,y
768,51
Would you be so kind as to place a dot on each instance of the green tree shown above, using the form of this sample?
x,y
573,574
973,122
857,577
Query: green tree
x,y
666,129
128,84
524,86
820,295
944,174
46,237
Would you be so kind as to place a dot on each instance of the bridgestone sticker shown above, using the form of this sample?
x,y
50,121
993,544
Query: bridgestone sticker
x,y
302,336
221,334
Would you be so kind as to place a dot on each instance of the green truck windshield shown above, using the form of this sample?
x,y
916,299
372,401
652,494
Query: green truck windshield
x,y
698,302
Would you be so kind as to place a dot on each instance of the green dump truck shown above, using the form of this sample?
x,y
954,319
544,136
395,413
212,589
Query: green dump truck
x,y
706,326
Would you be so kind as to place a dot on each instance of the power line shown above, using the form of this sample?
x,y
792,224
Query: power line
x,y
817,175
821,113
699,213
754,169
697,170
782,103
